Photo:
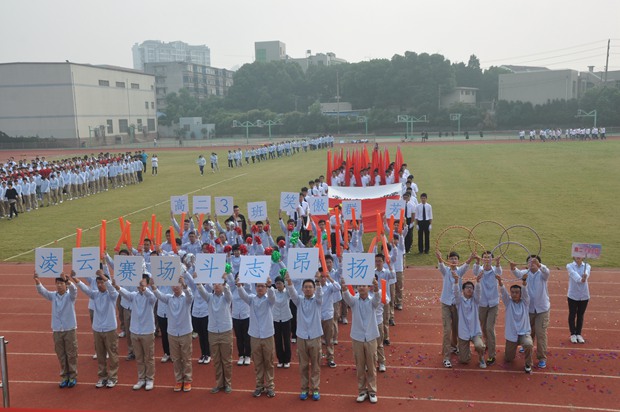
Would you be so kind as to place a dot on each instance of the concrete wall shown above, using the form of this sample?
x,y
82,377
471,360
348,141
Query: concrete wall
x,y
539,87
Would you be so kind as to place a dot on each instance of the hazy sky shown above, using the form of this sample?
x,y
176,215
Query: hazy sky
x,y
552,33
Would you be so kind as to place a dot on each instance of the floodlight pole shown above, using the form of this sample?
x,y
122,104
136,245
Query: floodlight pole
x,y
583,113
270,123
410,120
247,126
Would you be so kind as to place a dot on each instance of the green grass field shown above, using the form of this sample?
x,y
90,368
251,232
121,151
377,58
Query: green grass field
x,y
567,192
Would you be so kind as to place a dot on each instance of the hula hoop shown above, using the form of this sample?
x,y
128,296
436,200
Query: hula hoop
x,y
474,250
437,249
509,242
489,221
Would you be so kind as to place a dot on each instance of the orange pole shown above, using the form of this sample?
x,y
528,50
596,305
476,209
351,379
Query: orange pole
x,y
144,233
173,240
329,234
159,229
401,221
182,225
202,218
391,227
128,235
385,250
78,237
323,262
346,234
153,225
353,218
351,290
383,291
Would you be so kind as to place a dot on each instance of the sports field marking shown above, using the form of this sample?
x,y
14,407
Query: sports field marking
x,y
128,214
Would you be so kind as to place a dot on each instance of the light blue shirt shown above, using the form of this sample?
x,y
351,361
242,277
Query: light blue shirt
x,y
179,311
578,290
200,308
517,321
104,306
282,310
364,324
220,319
63,308
447,296
536,288
261,317
142,306
489,293
308,313
240,309
331,292
469,319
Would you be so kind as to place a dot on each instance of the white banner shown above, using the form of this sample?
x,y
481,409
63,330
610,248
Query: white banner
x,y
85,261
369,192
201,204
319,205
302,263
128,270
210,267
48,262
289,202
587,250
179,204
223,205
347,209
166,270
254,269
358,268
257,211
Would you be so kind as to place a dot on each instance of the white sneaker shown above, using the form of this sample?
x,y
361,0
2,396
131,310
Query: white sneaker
x,y
580,339
149,385
373,398
279,365
194,335
573,338
122,334
139,385
95,356
240,361
362,397
206,360
110,384
165,358
483,364
287,365
345,321
381,369
247,360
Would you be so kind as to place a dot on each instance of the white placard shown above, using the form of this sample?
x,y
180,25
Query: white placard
x,y
201,204
319,205
166,270
48,262
348,205
393,208
254,269
358,268
85,261
586,250
302,263
223,205
289,202
210,267
128,270
179,204
257,211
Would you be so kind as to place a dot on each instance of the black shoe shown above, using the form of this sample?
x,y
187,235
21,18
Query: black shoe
x,y
386,342
391,322
490,361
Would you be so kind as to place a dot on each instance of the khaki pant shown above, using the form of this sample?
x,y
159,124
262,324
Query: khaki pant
x,y
450,320
221,345
126,314
539,323
144,349
328,335
262,356
380,348
398,292
511,349
488,317
365,355
391,304
66,346
26,200
336,318
181,354
106,343
386,321
465,350
34,202
309,355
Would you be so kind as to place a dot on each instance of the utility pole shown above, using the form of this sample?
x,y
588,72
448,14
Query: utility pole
x,y
607,60
338,99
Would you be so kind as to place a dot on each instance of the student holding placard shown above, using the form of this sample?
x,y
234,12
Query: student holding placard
x,y
282,324
179,332
64,326
142,303
261,331
104,327
578,297
364,334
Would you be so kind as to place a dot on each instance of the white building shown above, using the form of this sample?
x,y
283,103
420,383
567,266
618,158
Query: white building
x,y
463,95
94,104
155,51
269,51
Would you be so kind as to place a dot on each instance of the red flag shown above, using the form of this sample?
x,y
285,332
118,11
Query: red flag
x,y
329,168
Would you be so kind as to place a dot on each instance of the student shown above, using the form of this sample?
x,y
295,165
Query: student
x,y
489,300
517,323
331,296
364,334
282,324
179,332
201,162
240,312
467,304
423,221
261,331
214,166
142,328
220,333
539,303
578,297
104,327
64,326
387,274
154,164
309,333
449,313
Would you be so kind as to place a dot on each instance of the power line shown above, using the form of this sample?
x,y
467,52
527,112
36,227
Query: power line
x,y
545,52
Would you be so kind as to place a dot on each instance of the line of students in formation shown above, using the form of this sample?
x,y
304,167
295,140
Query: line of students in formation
x,y
573,134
